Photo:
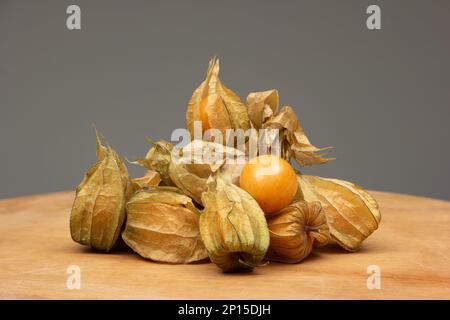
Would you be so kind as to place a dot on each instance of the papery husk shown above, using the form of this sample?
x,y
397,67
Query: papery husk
x,y
150,179
98,211
163,225
158,159
190,169
189,173
352,213
233,227
294,142
294,231
262,106
224,108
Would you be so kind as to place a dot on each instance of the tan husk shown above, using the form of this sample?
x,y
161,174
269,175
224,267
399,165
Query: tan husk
x,y
98,211
192,167
158,159
294,231
262,106
352,214
224,109
294,142
233,227
163,225
188,168
150,179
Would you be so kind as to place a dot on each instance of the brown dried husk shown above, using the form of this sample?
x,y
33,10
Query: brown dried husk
x,y
150,179
233,227
263,113
177,168
98,211
190,170
262,106
352,213
158,159
294,231
294,142
163,225
224,108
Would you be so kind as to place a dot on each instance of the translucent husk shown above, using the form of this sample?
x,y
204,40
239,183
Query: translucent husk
x,y
163,225
352,213
295,143
233,227
150,179
189,168
294,231
195,163
263,112
158,159
262,106
98,211
224,109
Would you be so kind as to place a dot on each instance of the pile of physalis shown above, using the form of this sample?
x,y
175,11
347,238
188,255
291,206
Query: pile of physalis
x,y
239,214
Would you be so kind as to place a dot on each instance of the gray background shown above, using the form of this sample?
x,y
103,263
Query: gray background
x,y
382,98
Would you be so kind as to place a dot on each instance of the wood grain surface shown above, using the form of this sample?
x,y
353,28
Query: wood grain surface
x,y
411,248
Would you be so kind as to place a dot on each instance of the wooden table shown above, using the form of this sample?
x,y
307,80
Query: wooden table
x,y
411,248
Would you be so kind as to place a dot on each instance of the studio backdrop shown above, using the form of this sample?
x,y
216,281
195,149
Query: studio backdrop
x,y
380,95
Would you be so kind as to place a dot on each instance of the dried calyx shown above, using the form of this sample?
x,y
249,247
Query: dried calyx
x,y
98,211
163,225
294,231
150,179
233,227
158,159
197,161
264,114
352,213
216,106
189,168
